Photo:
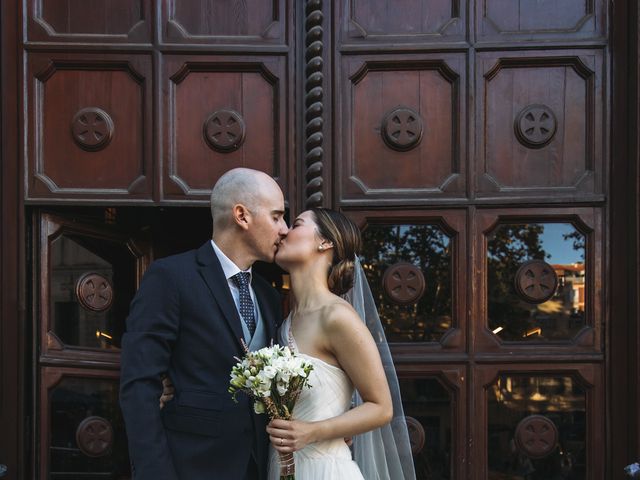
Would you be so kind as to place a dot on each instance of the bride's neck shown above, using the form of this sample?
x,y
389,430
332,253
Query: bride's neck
x,y
309,287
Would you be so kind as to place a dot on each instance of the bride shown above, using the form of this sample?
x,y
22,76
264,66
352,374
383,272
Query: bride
x,y
320,253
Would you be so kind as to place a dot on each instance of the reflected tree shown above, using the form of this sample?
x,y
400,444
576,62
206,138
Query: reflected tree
x,y
579,241
559,318
428,248
508,247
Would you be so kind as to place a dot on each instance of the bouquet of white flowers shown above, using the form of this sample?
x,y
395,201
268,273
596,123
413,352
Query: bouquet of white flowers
x,y
274,377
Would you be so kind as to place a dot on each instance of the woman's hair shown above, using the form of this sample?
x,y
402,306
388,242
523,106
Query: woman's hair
x,y
345,236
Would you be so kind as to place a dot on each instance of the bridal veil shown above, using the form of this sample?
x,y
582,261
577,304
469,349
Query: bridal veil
x,y
384,453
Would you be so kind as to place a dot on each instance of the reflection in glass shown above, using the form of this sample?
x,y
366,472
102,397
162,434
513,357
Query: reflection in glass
x,y
70,402
511,316
74,324
513,398
427,401
429,249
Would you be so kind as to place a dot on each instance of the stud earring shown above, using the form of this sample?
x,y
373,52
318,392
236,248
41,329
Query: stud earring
x,y
320,248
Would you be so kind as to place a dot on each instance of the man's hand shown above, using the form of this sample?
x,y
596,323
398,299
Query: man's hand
x,y
168,391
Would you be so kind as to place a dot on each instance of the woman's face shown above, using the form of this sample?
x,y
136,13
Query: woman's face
x,y
301,242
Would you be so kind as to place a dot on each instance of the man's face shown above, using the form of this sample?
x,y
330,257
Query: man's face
x,y
268,226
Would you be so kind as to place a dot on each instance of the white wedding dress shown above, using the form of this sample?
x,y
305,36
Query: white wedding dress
x,y
329,397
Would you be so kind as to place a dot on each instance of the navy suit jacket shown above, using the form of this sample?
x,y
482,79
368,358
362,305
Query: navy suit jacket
x,y
183,322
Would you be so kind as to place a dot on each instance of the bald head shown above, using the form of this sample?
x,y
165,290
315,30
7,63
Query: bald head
x,y
245,186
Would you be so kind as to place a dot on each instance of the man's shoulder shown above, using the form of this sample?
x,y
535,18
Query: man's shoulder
x,y
176,261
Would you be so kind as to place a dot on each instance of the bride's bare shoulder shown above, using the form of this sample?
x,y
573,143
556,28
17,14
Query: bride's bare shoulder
x,y
339,316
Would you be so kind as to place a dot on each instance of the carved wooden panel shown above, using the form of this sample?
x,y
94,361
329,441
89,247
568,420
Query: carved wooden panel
x,y
89,21
435,398
521,250
413,21
224,21
509,20
540,123
89,130
87,279
414,261
220,115
401,127
81,430
546,416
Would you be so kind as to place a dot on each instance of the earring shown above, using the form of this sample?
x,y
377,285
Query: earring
x,y
320,248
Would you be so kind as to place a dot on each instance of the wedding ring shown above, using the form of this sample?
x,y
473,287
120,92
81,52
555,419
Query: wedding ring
x,y
281,441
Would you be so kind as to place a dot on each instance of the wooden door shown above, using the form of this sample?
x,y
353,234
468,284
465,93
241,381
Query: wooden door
x,y
469,140
141,102
86,275
131,104
470,143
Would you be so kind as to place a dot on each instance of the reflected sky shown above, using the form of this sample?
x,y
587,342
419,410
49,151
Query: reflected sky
x,y
560,251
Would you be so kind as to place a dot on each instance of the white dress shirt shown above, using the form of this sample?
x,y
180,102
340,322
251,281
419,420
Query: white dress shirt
x,y
230,269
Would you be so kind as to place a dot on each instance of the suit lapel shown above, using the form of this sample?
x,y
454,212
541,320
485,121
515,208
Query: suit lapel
x,y
267,311
213,275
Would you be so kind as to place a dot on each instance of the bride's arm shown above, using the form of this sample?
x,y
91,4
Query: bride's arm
x,y
348,338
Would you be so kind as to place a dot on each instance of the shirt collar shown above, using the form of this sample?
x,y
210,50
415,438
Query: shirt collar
x,y
228,267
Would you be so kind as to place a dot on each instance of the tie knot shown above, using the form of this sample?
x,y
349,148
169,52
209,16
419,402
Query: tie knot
x,y
241,279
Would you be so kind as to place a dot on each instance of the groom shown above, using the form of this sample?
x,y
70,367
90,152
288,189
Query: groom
x,y
188,320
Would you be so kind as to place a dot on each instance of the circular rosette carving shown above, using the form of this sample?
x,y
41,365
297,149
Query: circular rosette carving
x,y
536,436
224,131
402,129
94,292
535,126
536,281
92,129
94,436
404,283
416,435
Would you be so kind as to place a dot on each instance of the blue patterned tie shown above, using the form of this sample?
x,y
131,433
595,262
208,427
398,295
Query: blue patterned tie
x,y
246,304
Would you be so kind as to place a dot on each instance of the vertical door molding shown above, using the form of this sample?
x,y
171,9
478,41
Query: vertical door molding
x,y
314,94
12,352
623,357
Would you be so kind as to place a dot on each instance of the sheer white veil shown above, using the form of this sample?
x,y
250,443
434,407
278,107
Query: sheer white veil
x,y
384,453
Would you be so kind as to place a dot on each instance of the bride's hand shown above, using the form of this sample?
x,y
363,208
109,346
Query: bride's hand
x,y
290,435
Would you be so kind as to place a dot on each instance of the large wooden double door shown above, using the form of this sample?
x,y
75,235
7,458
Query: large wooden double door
x,y
469,140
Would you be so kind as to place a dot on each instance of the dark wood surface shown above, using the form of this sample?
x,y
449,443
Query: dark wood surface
x,y
197,87
15,410
623,343
317,85
60,86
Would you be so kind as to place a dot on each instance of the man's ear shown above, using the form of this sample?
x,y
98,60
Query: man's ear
x,y
241,215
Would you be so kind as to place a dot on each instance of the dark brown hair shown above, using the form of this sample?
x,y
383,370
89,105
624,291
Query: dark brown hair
x,y
345,236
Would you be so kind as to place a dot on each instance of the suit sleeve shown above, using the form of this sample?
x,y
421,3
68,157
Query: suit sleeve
x,y
152,328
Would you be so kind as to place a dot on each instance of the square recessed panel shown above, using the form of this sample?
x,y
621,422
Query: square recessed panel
x,y
539,419
89,130
89,21
385,22
540,123
221,115
413,261
401,127
565,20
539,273
225,22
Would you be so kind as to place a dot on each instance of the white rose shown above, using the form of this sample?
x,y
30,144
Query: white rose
x,y
259,407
